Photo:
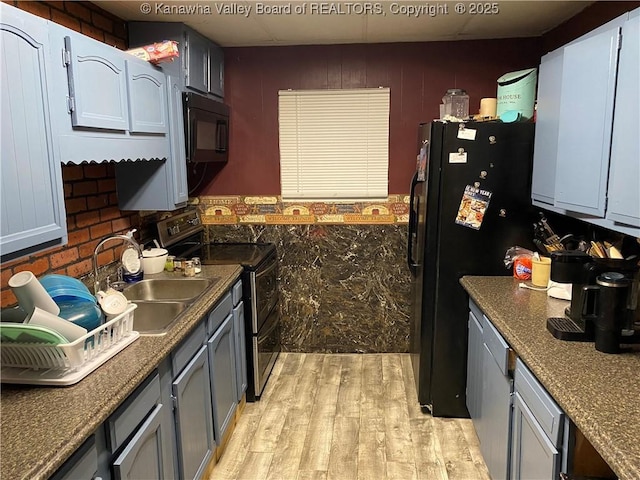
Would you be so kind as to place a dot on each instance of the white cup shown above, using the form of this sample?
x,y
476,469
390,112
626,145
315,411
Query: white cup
x,y
112,302
30,293
67,329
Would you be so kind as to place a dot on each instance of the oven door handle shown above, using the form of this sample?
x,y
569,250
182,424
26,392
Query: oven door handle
x,y
264,335
267,270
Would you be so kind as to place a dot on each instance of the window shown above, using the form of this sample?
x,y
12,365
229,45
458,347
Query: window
x,y
334,144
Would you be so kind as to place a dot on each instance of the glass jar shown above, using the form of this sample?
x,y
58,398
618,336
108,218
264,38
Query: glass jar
x,y
197,264
168,266
456,103
188,268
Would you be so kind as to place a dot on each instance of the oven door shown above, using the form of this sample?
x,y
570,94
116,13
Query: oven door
x,y
266,347
264,292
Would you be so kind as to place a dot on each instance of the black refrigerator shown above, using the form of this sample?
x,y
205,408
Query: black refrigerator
x,y
470,202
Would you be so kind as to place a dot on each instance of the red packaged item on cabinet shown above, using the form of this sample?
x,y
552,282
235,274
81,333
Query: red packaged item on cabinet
x,y
155,53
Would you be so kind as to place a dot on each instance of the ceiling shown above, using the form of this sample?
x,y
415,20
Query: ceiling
x,y
242,24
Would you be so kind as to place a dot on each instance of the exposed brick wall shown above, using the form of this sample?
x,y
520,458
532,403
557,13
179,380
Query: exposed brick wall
x,y
89,190
84,17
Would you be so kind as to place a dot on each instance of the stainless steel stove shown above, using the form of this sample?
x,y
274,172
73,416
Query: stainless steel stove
x,y
182,236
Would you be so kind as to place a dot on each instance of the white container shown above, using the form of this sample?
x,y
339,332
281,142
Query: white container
x,y
154,260
30,293
67,329
516,93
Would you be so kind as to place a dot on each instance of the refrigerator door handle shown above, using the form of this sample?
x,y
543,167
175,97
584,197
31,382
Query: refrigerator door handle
x,y
413,222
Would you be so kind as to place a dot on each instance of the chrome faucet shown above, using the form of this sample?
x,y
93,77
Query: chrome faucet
x,y
126,238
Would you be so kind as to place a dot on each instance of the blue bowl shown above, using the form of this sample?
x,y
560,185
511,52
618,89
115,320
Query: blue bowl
x,y
66,289
85,314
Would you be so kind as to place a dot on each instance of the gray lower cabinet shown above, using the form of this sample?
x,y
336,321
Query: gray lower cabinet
x,y
523,433
495,404
82,465
165,429
474,369
222,356
142,457
241,350
139,434
538,425
194,426
32,214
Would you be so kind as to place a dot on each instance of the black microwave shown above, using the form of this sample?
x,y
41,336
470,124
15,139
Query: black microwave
x,y
206,125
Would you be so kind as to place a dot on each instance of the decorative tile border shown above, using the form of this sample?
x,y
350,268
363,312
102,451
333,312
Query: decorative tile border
x,y
271,210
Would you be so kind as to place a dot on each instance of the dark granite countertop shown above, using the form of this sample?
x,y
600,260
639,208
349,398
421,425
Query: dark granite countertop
x,y
40,427
599,392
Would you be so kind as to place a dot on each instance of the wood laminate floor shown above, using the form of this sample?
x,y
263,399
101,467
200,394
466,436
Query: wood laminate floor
x,y
347,417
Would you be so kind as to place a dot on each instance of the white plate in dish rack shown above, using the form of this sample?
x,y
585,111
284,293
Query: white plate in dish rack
x,y
67,364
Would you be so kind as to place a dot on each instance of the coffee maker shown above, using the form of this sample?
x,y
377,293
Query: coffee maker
x,y
603,299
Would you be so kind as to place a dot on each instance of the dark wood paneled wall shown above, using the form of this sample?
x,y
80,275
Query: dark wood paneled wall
x,y
417,73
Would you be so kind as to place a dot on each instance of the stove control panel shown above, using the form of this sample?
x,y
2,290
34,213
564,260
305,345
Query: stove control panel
x,y
176,228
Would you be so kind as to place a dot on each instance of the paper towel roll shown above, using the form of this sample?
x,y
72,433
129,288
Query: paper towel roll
x,y
30,293
488,107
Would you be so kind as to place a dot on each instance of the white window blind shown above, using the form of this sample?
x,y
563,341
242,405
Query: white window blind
x,y
334,144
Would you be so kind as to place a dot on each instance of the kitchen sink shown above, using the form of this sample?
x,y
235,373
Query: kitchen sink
x,y
161,289
156,318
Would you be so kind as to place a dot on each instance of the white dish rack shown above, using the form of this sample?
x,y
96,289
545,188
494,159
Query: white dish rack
x,y
67,363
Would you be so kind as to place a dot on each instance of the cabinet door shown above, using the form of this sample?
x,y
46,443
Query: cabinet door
x,y
624,176
216,71
147,92
496,417
474,370
545,152
97,84
241,350
222,360
178,160
83,464
194,427
142,457
586,119
197,62
32,212
533,456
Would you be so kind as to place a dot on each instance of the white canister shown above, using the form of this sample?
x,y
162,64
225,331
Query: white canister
x,y
516,93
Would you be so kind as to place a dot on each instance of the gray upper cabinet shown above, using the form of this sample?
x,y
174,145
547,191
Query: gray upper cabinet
x,y
158,185
131,94
624,176
32,212
200,67
547,119
216,71
147,99
107,104
97,84
586,119
587,153
197,55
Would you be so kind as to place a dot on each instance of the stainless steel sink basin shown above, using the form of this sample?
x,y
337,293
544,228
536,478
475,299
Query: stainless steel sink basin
x,y
160,289
156,318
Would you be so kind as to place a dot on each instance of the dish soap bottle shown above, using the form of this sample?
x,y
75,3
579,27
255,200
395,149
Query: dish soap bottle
x,y
131,261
